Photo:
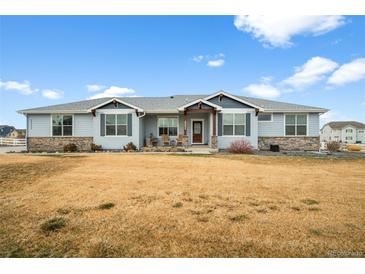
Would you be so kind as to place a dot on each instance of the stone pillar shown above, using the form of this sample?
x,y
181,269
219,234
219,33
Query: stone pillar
x,y
214,142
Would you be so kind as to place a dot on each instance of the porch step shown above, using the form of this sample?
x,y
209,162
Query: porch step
x,y
201,150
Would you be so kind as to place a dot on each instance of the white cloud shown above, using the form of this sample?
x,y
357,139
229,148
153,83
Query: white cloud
x,y
52,94
215,63
263,90
114,91
266,79
198,58
313,71
216,60
277,31
23,88
94,87
347,73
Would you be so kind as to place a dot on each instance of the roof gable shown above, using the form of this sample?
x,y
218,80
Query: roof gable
x,y
226,100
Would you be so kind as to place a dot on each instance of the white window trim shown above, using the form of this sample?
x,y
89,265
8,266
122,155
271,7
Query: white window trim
x,y
269,121
191,131
178,128
106,135
73,125
233,135
307,126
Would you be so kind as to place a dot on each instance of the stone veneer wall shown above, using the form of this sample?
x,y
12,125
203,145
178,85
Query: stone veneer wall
x,y
304,143
57,143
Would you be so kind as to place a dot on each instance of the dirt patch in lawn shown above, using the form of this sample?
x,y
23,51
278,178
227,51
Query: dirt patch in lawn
x,y
122,205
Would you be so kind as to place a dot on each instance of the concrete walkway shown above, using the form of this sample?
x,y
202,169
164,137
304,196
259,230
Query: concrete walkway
x,y
6,149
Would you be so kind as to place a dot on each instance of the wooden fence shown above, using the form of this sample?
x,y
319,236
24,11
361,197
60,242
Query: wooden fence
x,y
12,142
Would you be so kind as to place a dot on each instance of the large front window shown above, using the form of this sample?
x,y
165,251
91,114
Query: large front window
x,y
116,124
167,126
62,125
296,124
234,124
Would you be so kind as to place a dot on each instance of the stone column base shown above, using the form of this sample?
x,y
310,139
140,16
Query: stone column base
x,y
214,142
298,143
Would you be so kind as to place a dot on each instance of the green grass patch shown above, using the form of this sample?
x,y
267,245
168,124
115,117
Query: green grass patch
x,y
315,232
63,211
53,224
106,206
177,205
310,202
238,218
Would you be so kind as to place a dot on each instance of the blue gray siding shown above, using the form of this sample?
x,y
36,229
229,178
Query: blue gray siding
x,y
39,125
276,127
313,124
115,142
224,141
83,125
273,128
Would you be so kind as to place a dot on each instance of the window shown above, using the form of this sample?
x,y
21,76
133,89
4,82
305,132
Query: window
x,y
234,124
296,124
61,125
361,131
349,130
348,137
167,126
116,124
265,117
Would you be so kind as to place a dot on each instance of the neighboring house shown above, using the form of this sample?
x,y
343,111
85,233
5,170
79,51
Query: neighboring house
x,y
350,132
214,120
17,133
5,130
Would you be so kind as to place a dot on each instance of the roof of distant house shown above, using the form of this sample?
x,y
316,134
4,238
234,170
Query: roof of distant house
x,y
342,124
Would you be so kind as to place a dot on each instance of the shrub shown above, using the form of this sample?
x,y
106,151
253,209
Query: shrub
x,y
240,146
70,147
53,224
95,147
333,146
130,147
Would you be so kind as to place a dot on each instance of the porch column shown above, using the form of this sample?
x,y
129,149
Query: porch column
x,y
214,123
185,123
214,138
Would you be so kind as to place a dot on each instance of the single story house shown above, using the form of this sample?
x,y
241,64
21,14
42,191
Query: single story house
x,y
350,132
213,120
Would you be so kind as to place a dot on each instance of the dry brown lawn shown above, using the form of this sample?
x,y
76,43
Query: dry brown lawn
x,y
181,206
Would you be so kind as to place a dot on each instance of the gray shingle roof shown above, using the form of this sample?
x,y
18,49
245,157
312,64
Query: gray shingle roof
x,y
167,104
342,124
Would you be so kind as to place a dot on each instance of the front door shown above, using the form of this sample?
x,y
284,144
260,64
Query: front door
x,y
197,132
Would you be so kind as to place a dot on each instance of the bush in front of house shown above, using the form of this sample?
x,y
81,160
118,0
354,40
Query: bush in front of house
x,y
240,146
333,146
130,147
95,147
70,147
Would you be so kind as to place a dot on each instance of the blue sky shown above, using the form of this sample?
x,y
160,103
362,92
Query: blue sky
x,y
307,60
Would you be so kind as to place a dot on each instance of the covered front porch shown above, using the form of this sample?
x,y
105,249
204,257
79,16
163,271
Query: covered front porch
x,y
194,125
